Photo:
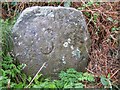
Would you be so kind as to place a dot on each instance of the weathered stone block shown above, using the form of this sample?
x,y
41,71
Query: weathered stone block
x,y
56,35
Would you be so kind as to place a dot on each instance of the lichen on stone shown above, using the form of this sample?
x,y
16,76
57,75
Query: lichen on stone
x,y
69,40
76,53
65,44
63,60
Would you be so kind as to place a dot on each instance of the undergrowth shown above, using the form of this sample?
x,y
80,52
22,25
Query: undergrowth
x,y
13,77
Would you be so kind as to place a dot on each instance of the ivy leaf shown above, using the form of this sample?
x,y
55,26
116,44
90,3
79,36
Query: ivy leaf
x,y
110,19
115,29
104,81
13,3
67,3
91,78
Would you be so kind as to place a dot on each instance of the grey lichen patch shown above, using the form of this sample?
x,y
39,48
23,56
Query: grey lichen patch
x,y
19,43
15,38
43,29
65,44
36,35
55,70
32,42
69,40
17,54
72,47
51,15
76,53
63,60
38,14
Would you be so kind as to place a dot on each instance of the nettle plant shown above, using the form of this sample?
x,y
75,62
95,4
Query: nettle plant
x,y
10,72
73,79
9,69
69,79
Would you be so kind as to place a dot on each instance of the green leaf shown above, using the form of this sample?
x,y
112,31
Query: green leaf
x,y
91,78
24,77
110,19
51,85
29,79
37,78
67,3
81,8
68,86
59,83
13,3
71,71
108,76
16,70
79,85
3,72
36,86
115,29
62,74
104,81
90,3
95,16
86,74
20,85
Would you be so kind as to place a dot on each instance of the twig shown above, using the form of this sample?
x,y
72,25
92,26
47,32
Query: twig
x,y
115,73
36,75
90,71
90,21
8,84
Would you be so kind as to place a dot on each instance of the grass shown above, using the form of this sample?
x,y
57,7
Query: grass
x,y
103,26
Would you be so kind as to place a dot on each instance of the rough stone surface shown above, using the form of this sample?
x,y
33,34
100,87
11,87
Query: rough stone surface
x,y
56,35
